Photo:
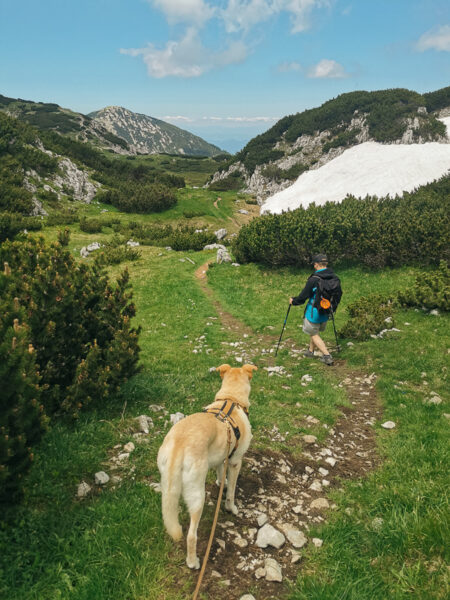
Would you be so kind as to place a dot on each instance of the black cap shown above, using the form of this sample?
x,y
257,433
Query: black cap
x,y
319,258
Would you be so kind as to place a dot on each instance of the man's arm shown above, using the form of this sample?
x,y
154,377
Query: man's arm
x,y
305,294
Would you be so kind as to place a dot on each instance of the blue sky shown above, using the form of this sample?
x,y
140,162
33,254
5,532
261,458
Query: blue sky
x,y
225,69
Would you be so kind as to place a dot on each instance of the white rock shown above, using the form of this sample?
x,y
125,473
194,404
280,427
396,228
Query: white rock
x,y
123,456
243,211
132,244
174,419
247,597
222,256
220,233
214,247
323,471
269,536
273,570
377,523
94,246
143,423
317,542
129,447
260,572
309,439
320,503
235,265
316,486
239,541
388,425
331,461
350,344
262,519
101,478
434,312
296,537
434,400
83,489
84,252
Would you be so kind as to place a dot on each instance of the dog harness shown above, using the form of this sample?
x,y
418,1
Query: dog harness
x,y
224,414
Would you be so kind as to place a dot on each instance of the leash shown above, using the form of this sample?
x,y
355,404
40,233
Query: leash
x,y
216,516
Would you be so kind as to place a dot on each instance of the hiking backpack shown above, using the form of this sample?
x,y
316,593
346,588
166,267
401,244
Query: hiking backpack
x,y
328,294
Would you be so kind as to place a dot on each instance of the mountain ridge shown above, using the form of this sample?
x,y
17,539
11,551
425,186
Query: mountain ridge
x,y
149,135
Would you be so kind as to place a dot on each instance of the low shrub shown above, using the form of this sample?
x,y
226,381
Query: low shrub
x,y
231,182
62,218
64,237
91,225
145,199
190,214
430,290
368,317
113,255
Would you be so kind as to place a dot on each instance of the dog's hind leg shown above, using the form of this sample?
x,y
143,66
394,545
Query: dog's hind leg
x,y
233,472
194,496
219,474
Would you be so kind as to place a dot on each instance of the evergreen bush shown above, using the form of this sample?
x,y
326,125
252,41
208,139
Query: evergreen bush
x,y
74,314
368,317
91,225
430,290
375,232
22,419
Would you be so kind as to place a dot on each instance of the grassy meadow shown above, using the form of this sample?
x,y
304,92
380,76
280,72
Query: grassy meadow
x,y
112,545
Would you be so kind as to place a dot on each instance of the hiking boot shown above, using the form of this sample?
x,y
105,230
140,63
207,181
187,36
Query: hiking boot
x,y
308,354
327,359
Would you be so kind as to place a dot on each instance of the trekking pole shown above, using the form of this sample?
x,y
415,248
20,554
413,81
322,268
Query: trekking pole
x,y
284,325
338,347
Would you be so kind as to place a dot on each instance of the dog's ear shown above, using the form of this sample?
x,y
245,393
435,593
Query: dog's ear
x,y
223,369
249,370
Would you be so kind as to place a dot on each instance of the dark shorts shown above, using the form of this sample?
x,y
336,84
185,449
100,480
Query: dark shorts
x,y
313,328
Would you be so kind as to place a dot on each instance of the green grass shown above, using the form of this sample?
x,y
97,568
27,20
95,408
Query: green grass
x,y
112,545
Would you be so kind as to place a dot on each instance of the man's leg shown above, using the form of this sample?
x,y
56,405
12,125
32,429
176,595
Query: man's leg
x,y
317,341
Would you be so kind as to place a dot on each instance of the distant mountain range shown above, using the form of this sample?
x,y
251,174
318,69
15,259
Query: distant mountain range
x,y
113,128
147,135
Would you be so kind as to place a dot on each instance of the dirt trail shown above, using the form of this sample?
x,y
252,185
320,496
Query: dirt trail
x,y
283,486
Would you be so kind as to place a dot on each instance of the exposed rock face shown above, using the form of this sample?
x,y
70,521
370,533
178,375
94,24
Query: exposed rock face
x,y
147,135
76,181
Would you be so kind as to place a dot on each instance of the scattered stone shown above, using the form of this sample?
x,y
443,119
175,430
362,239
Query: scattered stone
x,y
350,344
306,378
132,244
331,461
309,439
435,312
273,570
235,265
377,523
101,478
156,486
434,400
388,425
317,542
269,536
239,541
129,447
83,489
296,537
144,423
123,456
259,573
244,212
222,256
320,503
178,416
316,486
323,471
215,573
220,233
247,597
214,247
296,556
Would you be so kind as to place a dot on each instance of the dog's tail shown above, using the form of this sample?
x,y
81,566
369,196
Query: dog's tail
x,y
170,463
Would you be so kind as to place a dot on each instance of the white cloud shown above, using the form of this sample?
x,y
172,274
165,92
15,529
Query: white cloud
x,y
187,57
177,118
435,39
242,15
190,11
327,69
287,66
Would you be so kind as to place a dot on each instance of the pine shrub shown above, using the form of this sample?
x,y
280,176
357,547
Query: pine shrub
x,y
71,308
430,290
22,419
368,317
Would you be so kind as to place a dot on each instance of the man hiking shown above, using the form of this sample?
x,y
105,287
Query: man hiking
x,y
323,292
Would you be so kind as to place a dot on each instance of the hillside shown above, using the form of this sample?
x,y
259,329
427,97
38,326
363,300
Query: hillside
x,y
51,117
147,135
298,143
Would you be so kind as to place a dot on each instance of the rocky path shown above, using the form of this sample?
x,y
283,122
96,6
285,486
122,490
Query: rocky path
x,y
280,496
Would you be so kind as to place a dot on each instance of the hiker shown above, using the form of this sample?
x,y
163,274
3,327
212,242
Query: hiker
x,y
316,317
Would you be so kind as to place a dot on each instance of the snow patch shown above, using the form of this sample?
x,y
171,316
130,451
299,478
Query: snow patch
x,y
366,169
